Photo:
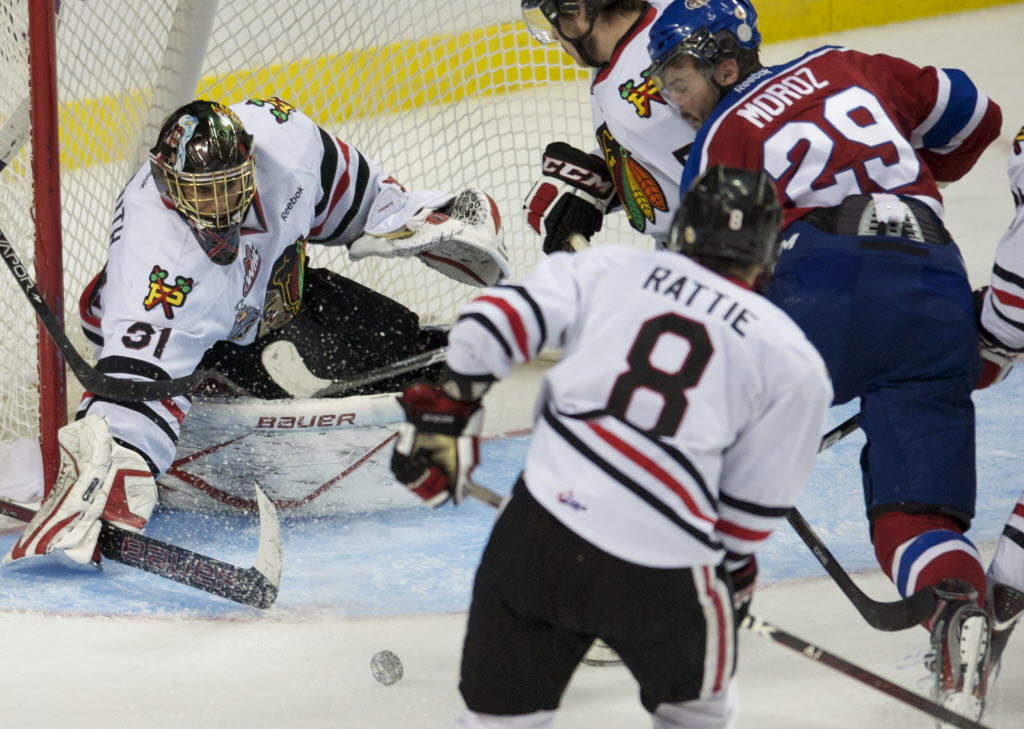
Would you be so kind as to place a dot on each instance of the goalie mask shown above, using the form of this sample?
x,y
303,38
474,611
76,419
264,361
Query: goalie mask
x,y
729,213
204,165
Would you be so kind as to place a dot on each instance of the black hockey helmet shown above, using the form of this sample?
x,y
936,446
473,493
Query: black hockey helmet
x,y
204,165
541,17
729,213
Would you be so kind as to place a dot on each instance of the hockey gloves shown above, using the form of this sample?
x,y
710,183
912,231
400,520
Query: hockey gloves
x,y
571,197
743,574
438,446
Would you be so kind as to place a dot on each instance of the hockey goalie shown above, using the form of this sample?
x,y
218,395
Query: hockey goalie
x,y
207,267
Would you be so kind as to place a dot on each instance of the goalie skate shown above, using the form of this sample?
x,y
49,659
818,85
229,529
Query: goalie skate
x,y
960,648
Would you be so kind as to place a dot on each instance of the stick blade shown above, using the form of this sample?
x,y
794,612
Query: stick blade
x,y
284,364
270,553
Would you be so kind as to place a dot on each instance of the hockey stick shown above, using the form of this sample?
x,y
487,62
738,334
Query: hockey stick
x,y
864,676
285,366
91,378
815,653
886,616
256,586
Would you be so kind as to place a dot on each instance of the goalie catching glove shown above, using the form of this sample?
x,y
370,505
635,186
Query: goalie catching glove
x,y
439,445
98,480
458,235
572,197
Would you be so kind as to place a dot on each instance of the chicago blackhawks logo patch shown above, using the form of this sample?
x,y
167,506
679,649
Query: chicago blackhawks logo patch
x,y
284,293
639,192
641,95
169,297
279,109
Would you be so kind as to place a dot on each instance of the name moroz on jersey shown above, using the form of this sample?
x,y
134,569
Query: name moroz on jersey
x,y
838,122
161,303
643,141
684,407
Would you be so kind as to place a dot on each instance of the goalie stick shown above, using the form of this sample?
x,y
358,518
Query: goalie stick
x,y
886,616
92,379
815,653
256,586
864,676
285,366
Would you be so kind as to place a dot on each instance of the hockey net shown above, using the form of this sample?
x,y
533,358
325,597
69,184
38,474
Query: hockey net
x,y
442,95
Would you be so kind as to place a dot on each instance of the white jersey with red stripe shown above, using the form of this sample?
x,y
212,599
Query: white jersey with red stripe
x,y
643,141
837,122
161,303
1003,314
684,416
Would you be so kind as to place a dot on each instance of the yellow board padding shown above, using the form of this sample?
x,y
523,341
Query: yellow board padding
x,y
442,69
783,20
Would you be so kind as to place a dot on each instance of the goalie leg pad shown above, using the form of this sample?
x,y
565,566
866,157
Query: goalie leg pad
x,y
98,479
70,512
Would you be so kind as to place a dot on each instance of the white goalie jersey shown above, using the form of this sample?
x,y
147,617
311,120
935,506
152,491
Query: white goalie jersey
x,y
160,303
685,407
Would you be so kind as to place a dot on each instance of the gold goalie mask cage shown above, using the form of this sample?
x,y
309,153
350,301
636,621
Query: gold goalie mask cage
x,y
204,164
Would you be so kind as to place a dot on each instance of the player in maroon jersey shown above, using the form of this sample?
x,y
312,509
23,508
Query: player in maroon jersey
x,y
856,145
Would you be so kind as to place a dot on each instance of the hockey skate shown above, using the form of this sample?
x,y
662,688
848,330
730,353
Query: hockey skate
x,y
1006,605
960,649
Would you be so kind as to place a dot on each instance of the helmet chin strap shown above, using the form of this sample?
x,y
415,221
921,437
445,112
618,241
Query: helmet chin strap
x,y
578,42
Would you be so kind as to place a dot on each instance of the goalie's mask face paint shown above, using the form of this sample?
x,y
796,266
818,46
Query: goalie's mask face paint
x,y
204,165
568,21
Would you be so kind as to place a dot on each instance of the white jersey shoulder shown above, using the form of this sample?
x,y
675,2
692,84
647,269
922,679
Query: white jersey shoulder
x,y
643,140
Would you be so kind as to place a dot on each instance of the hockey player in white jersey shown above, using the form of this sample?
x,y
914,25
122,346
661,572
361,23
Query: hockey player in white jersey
x,y
672,437
1001,331
207,263
641,143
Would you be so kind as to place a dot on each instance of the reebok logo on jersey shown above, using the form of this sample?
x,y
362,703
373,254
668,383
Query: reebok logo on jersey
x,y
169,297
291,204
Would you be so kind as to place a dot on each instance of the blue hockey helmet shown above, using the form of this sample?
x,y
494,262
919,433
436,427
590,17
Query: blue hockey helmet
x,y
696,27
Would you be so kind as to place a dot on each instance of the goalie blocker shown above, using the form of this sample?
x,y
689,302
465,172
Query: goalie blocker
x,y
460,236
